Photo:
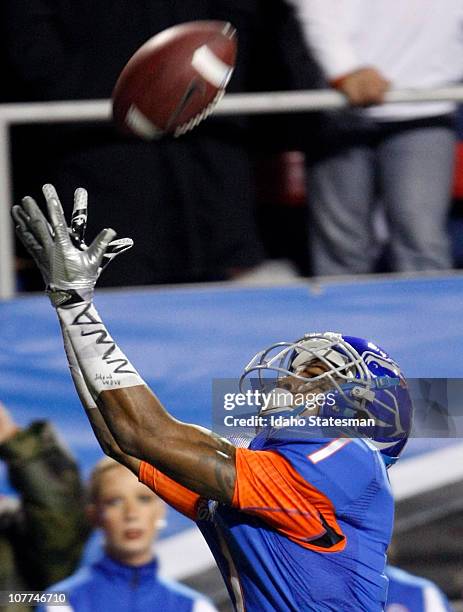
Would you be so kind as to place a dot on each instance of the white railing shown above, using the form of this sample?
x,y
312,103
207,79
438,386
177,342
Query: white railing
x,y
100,110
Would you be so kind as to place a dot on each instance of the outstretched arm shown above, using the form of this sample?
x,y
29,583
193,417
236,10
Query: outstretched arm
x,y
181,498
133,421
105,438
190,455
141,427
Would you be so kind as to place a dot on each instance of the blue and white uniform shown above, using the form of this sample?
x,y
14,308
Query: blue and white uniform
x,y
111,586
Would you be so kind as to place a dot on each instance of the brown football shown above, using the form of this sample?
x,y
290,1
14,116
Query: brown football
x,y
175,79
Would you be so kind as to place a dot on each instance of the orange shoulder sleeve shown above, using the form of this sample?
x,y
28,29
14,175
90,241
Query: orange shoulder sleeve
x,y
176,495
269,487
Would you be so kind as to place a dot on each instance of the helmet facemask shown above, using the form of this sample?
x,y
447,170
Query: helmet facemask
x,y
363,380
340,363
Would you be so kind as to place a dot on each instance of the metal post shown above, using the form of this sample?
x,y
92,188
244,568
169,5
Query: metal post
x,y
7,268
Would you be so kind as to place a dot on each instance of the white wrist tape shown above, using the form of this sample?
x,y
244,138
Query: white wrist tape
x,y
102,363
79,381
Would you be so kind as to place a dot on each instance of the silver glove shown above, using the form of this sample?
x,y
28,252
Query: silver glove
x,y
70,269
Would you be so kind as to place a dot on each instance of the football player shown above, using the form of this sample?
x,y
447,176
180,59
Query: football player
x,y
294,522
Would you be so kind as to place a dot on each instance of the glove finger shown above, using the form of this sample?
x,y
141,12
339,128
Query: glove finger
x,y
37,222
22,230
50,192
79,217
98,247
56,214
31,244
115,248
22,223
19,217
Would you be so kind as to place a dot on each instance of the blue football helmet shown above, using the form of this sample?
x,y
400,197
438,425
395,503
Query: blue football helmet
x,y
363,379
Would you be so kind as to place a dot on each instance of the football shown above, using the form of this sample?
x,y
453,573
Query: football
x,y
175,79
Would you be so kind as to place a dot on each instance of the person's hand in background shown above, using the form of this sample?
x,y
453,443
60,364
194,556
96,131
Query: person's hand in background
x,y
8,427
363,87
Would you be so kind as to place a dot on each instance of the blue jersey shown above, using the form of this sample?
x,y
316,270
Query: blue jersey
x,y
409,593
109,585
308,527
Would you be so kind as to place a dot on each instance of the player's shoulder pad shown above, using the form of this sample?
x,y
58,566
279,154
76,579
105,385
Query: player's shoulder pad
x,y
342,468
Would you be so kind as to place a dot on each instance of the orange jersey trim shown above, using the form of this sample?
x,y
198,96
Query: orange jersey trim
x,y
176,495
267,486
